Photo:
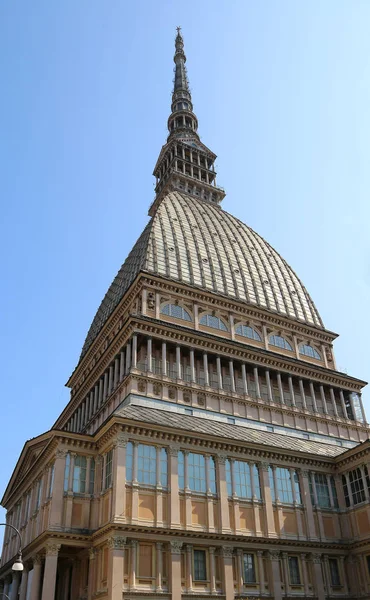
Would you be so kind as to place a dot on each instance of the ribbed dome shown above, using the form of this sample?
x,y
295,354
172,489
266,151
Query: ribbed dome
x,y
199,244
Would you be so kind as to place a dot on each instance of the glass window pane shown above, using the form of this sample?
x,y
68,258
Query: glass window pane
x,y
249,569
200,571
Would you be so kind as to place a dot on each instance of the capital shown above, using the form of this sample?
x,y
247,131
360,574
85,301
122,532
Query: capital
x,y
221,458
91,554
316,558
121,440
264,466
274,555
173,450
176,547
37,560
116,542
52,549
61,453
227,551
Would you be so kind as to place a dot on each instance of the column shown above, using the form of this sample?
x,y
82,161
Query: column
x,y
16,579
291,390
24,583
286,572
192,366
205,367
105,387
128,358
119,478
332,398
366,489
305,574
189,568
101,391
36,578
164,358
223,495
56,505
149,358
362,409
116,545
323,398
178,362
159,570
268,384
175,570
121,365
257,382
132,574
306,497
244,378
232,378
110,379
239,570
303,395
50,571
174,487
91,580
275,575
343,404
342,573
296,504
228,576
280,386
313,396
219,372
266,491
327,574
212,569
134,351
261,572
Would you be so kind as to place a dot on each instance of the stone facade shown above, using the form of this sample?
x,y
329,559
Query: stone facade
x,y
210,447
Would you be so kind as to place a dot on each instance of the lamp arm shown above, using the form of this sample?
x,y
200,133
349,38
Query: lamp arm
x,y
17,532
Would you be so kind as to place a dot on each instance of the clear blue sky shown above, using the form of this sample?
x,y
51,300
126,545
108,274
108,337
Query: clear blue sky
x,y
282,93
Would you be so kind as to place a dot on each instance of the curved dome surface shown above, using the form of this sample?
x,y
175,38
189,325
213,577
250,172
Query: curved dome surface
x,y
199,244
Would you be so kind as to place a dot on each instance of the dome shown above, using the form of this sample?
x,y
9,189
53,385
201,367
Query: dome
x,y
197,243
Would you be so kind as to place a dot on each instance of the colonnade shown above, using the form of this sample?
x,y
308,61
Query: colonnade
x,y
210,370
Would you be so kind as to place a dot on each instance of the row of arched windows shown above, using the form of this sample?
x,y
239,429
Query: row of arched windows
x,y
178,312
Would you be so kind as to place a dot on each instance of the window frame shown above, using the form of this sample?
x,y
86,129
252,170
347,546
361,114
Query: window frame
x,y
255,336
224,326
185,314
245,581
202,551
333,560
274,337
290,571
302,351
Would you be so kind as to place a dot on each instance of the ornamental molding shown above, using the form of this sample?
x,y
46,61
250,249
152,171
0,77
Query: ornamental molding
x,y
176,547
121,441
37,559
117,542
52,549
227,551
61,453
92,553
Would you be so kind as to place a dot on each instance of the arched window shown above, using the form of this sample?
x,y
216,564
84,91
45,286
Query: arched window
x,y
280,342
214,322
310,351
248,332
174,310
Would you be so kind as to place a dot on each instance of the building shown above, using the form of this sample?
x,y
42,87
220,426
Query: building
x,y
210,447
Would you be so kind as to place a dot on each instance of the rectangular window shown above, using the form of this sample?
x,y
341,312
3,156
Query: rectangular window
x,y
368,564
147,463
181,470
66,472
164,466
145,560
334,491
108,468
92,476
322,490
197,472
51,481
249,569
212,475
294,574
38,493
357,486
200,568
129,461
345,490
283,484
79,475
334,571
242,479
228,478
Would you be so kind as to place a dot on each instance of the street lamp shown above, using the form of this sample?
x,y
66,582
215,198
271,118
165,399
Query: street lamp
x,y
18,563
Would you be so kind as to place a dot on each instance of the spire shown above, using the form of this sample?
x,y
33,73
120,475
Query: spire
x,y
182,118
184,164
